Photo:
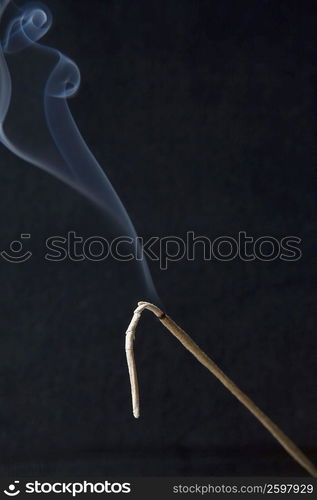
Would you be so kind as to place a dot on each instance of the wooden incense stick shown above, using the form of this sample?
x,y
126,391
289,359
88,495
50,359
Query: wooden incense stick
x,y
205,360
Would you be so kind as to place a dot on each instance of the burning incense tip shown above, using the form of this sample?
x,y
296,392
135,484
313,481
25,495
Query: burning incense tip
x,y
206,361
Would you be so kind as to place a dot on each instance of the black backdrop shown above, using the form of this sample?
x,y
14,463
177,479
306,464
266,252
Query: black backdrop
x,y
203,115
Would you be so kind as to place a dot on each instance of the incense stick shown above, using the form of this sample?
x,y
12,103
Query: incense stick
x,y
206,361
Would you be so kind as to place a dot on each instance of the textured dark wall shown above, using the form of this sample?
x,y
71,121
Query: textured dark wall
x,y
203,115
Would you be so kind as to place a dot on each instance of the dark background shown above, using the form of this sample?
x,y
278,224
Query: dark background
x,y
203,115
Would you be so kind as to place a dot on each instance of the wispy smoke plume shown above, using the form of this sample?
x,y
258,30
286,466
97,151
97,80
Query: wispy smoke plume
x,y
35,120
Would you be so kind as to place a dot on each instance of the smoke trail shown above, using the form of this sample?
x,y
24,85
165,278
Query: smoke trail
x,y
35,120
